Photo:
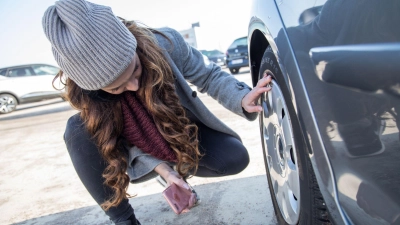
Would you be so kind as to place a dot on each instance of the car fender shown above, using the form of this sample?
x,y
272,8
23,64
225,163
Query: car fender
x,y
263,31
13,94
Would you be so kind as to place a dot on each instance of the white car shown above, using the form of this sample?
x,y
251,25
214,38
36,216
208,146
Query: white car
x,y
26,83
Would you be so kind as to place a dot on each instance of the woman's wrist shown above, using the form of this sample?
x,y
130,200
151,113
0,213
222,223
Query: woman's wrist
x,y
163,169
170,175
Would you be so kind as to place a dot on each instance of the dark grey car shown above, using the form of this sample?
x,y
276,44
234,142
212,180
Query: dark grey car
x,y
237,55
330,125
215,56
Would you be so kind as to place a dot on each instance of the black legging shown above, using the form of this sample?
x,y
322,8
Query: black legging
x,y
223,155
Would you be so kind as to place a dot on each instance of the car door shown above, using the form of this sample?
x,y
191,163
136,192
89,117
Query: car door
x,y
346,54
44,75
20,81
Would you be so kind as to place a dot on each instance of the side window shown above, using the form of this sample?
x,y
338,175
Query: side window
x,y
20,72
3,72
45,70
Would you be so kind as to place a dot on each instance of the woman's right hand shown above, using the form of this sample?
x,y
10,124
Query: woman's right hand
x,y
170,175
174,177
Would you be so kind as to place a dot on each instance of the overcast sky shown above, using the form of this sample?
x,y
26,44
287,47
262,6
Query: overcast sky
x,y
22,39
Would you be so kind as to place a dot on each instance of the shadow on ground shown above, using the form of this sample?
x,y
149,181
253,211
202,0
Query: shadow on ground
x,y
24,112
239,201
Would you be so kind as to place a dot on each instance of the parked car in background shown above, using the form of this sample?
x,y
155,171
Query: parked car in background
x,y
330,124
206,60
237,55
26,83
215,56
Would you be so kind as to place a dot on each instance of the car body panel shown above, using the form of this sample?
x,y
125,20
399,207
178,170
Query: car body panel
x,y
350,124
346,116
28,88
367,173
270,25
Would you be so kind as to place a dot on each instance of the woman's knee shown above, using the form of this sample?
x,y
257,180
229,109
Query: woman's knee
x,y
237,162
234,160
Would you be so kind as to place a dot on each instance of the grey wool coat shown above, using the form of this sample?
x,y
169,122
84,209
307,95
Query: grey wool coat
x,y
188,66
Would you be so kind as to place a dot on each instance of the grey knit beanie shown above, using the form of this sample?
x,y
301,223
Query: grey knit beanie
x,y
90,44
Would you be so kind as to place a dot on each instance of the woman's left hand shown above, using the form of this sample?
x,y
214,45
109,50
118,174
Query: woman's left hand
x,y
249,101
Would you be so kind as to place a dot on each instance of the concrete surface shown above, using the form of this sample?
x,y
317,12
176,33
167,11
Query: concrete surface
x,y
39,185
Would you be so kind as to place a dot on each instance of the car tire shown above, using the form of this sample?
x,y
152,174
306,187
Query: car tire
x,y
293,187
234,70
8,103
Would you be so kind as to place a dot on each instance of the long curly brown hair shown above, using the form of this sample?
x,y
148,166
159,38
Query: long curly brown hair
x,y
102,115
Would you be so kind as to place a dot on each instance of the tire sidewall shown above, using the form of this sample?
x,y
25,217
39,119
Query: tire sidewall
x,y
269,63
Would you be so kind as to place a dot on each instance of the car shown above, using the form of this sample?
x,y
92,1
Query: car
x,y
25,84
237,55
330,124
215,56
205,59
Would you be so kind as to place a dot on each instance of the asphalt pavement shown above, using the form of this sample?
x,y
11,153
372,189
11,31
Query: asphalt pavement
x,y
39,185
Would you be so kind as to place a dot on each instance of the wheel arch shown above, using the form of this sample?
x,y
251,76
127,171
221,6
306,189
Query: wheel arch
x,y
257,47
259,41
10,93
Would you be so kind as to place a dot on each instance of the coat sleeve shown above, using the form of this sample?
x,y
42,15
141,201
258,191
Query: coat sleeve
x,y
141,165
210,79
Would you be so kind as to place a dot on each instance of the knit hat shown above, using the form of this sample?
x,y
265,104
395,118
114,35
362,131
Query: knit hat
x,y
90,44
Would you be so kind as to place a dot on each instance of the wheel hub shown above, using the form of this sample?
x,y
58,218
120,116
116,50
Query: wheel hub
x,y
280,153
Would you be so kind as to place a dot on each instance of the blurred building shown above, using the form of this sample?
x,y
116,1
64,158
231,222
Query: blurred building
x,y
190,35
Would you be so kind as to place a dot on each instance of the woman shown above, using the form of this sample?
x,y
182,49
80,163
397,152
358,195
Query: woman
x,y
138,116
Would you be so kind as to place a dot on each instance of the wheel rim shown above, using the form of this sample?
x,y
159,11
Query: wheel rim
x,y
281,153
7,104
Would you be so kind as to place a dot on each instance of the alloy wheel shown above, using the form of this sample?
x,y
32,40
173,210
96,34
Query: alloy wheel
x,y
277,135
7,104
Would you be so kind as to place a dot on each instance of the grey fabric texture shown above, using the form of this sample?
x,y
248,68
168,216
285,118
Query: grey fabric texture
x,y
142,165
89,43
188,66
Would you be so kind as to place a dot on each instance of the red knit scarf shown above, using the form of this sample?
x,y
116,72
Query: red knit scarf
x,y
140,129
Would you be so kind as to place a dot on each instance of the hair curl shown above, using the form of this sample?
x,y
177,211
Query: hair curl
x,y
102,115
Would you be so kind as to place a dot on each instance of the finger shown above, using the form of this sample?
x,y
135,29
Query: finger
x,y
174,178
255,94
264,81
263,90
183,184
255,108
185,210
192,201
